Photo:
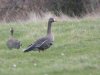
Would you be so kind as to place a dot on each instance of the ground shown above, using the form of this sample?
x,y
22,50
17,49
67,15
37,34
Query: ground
x,y
75,51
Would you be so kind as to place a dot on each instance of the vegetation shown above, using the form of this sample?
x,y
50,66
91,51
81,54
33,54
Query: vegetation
x,y
11,10
76,49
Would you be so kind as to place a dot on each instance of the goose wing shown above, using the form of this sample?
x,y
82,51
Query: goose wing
x,y
36,45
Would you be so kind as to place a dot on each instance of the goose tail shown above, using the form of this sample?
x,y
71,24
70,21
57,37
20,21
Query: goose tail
x,y
30,48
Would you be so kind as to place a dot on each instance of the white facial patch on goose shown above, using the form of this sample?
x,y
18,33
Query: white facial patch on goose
x,y
54,19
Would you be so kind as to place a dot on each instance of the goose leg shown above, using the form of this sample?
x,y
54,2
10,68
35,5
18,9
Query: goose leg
x,y
39,51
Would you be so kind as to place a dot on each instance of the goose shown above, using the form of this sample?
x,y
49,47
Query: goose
x,y
45,42
12,42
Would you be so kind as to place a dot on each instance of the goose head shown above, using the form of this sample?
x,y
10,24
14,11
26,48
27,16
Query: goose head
x,y
51,20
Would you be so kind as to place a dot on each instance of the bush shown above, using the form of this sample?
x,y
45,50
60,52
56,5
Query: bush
x,y
20,9
72,7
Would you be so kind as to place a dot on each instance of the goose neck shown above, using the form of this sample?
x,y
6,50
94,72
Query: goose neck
x,y
49,28
11,33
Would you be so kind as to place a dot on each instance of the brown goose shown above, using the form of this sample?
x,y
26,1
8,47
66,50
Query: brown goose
x,y
44,42
12,42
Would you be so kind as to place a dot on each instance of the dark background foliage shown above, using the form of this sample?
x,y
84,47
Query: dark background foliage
x,y
20,9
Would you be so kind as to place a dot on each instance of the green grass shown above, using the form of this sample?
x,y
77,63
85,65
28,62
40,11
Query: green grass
x,y
76,49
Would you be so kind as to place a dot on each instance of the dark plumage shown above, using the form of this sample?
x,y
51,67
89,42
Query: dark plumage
x,y
44,42
12,42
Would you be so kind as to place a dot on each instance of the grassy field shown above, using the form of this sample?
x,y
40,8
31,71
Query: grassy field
x,y
76,49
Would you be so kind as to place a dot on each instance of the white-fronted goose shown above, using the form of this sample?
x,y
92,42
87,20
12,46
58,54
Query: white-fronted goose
x,y
12,42
44,42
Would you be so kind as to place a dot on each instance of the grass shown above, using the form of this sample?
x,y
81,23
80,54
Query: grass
x,y
76,49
